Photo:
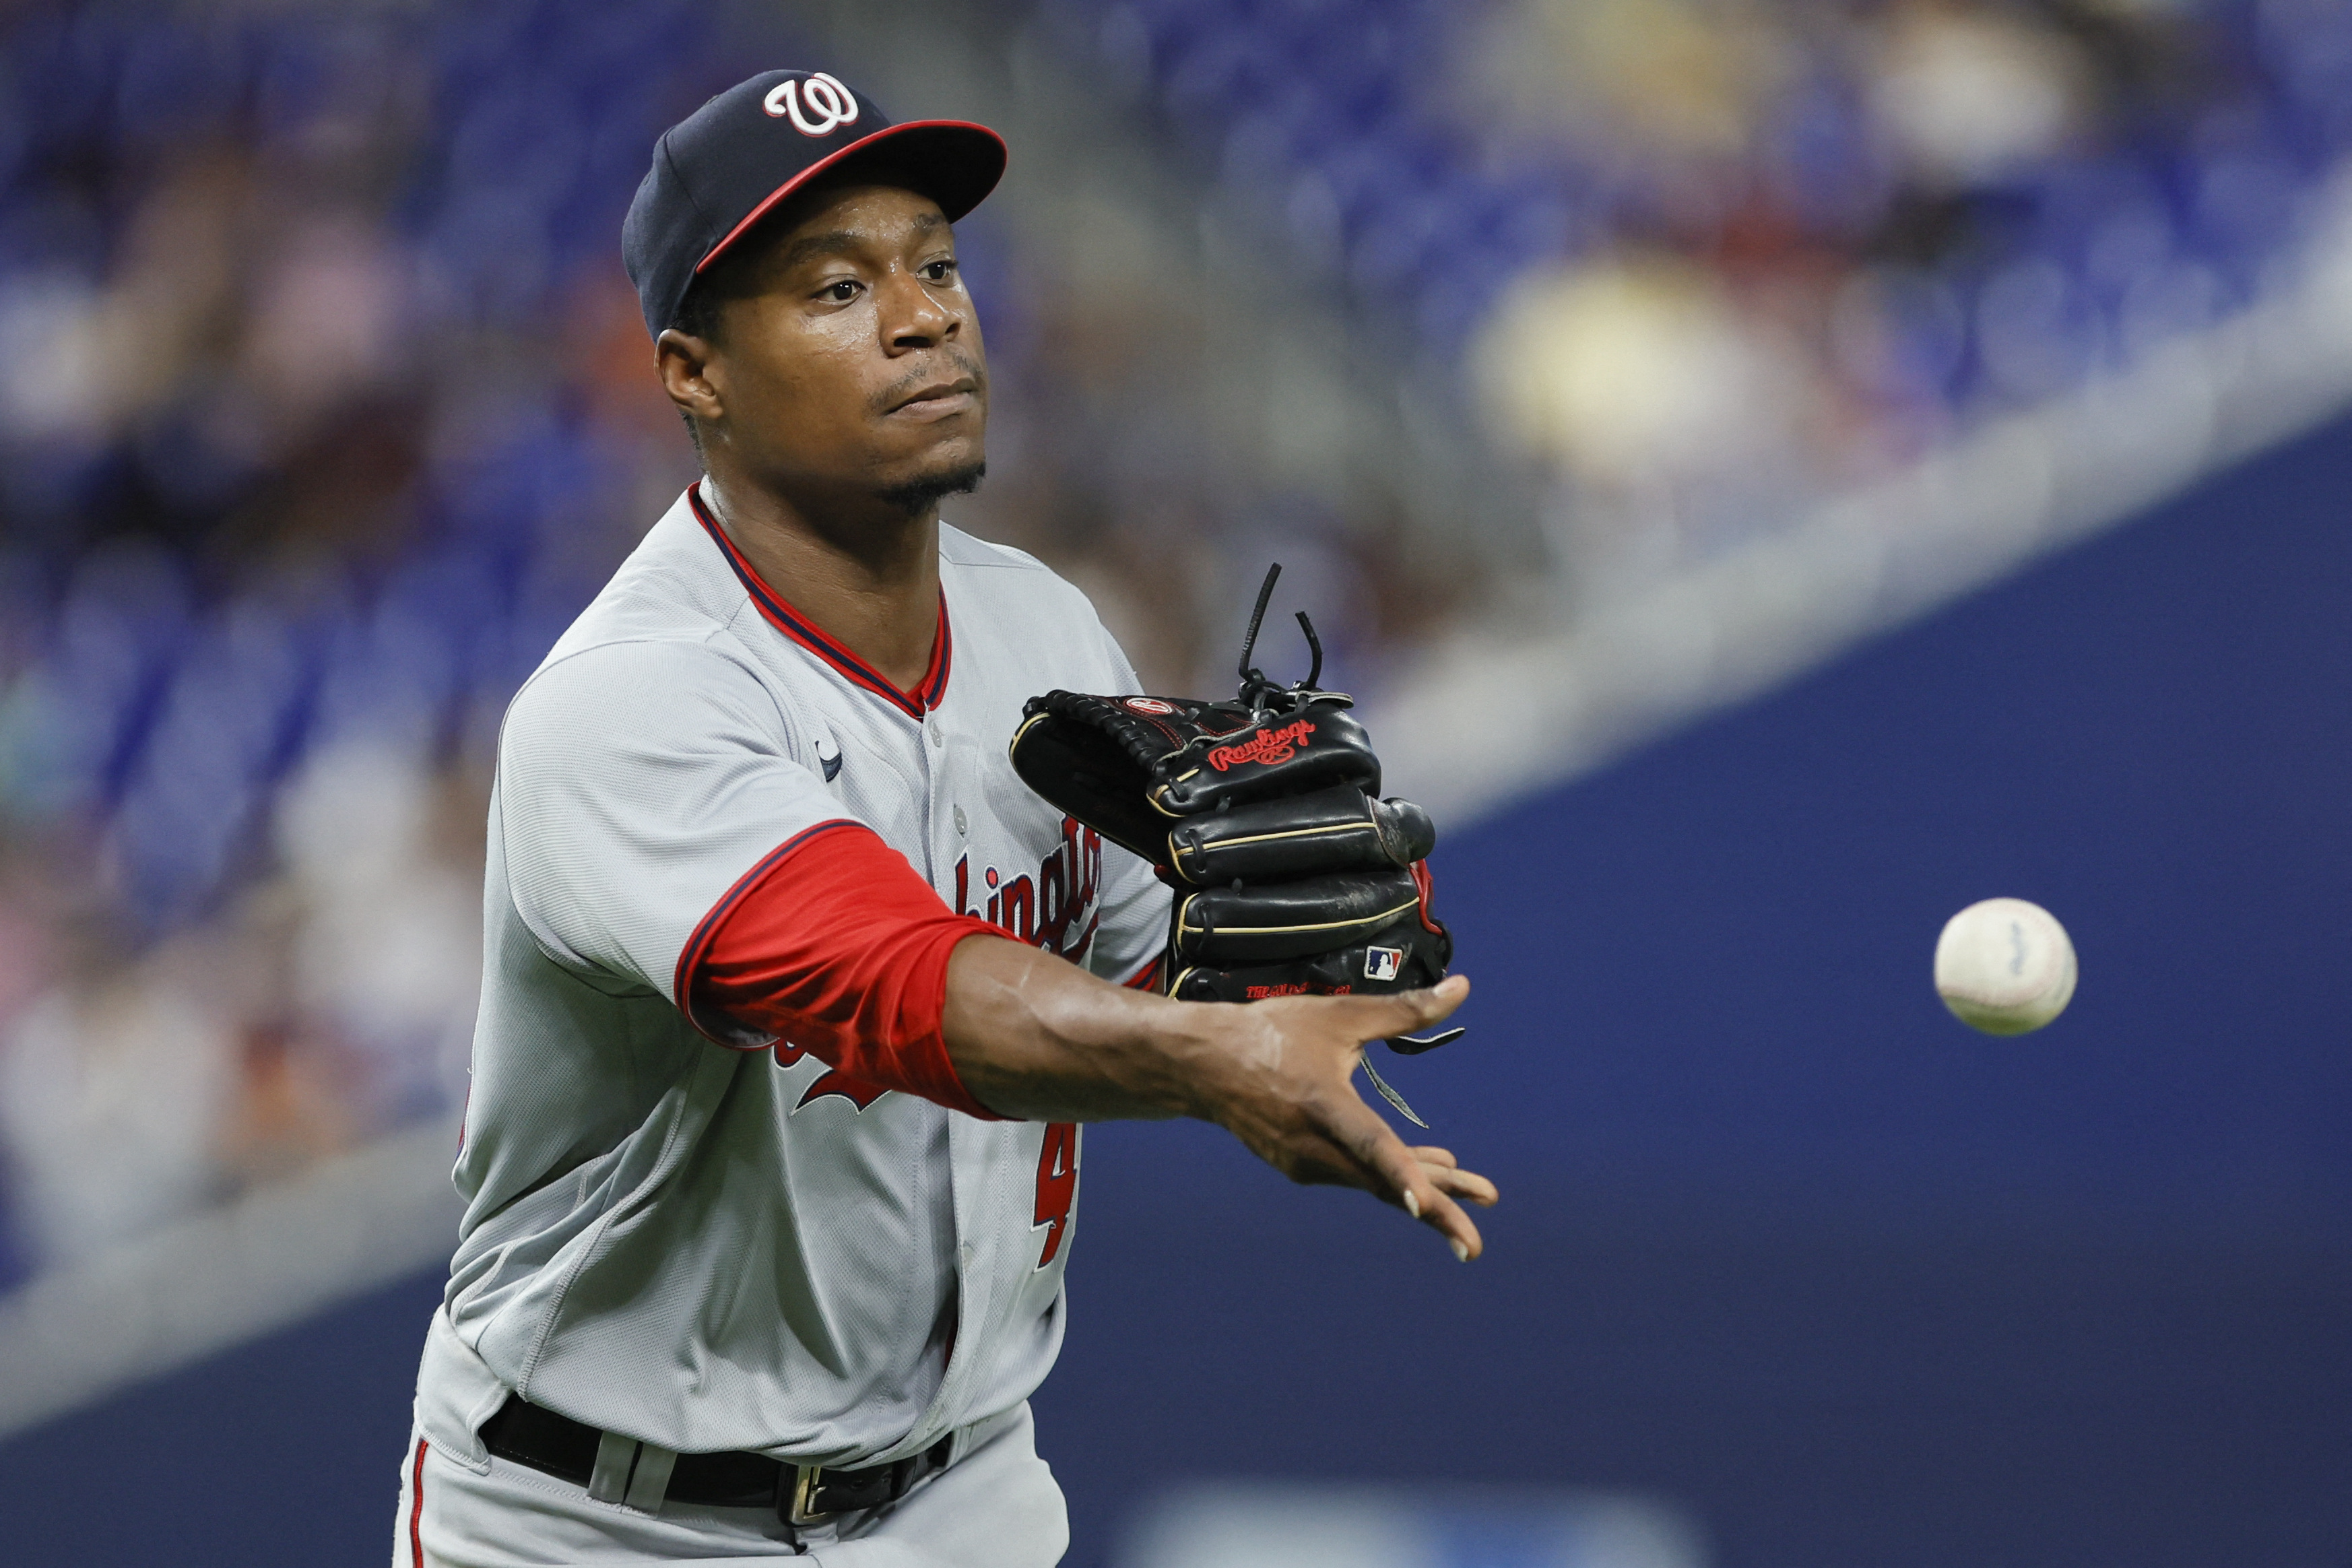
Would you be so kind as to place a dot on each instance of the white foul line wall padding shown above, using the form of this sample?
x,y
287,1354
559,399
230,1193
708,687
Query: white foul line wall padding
x,y
72,1337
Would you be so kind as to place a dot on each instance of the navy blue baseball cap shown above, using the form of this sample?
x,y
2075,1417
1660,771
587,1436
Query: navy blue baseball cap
x,y
716,173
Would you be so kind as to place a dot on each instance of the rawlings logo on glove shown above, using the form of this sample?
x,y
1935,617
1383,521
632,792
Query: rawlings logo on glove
x,y
1267,746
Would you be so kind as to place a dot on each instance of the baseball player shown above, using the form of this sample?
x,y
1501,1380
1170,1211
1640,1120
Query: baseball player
x,y
794,994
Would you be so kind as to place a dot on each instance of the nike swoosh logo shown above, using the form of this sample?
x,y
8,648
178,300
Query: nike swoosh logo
x,y
828,757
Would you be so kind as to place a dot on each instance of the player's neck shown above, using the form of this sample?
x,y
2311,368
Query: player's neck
x,y
869,579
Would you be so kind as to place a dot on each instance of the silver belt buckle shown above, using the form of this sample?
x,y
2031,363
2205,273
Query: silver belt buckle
x,y
804,1486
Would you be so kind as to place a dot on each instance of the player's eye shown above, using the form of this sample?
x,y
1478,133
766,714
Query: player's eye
x,y
841,292
939,271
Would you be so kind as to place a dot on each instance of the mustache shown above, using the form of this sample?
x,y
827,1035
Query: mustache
x,y
949,364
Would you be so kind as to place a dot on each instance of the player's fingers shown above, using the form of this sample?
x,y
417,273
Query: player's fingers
x,y
1404,1181
1446,1174
1454,1224
1467,1185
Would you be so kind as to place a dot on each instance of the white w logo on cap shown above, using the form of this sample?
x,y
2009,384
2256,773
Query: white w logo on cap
x,y
826,102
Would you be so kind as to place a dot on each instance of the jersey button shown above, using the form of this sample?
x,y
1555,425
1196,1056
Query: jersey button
x,y
961,827
932,727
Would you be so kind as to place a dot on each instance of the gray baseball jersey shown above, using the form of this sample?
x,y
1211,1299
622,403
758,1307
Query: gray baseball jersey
x,y
707,1247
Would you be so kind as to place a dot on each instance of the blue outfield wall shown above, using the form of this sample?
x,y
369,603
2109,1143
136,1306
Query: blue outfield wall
x,y
1782,1242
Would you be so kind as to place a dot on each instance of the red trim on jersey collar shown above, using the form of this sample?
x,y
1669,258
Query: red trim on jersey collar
x,y
928,693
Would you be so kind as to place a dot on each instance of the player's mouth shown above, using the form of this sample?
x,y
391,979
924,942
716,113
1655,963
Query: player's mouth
x,y
937,400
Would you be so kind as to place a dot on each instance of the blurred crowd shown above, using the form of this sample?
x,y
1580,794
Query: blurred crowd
x,y
324,406
316,425
1708,261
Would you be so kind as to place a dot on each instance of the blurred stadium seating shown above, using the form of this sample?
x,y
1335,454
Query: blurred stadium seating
x,y
1712,258
324,406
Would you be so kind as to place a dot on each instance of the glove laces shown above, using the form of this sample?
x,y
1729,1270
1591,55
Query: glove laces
x,y
1260,690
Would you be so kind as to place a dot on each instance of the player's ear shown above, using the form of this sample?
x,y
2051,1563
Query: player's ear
x,y
685,364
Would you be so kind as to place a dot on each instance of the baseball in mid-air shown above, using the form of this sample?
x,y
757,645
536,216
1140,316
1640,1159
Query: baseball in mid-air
x,y
2004,966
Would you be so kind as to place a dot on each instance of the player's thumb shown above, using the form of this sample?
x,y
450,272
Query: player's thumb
x,y
1377,1017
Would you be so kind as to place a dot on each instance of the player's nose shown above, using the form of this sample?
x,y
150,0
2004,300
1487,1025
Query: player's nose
x,y
914,317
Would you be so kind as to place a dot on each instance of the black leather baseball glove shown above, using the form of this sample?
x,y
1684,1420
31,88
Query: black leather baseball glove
x,y
1292,876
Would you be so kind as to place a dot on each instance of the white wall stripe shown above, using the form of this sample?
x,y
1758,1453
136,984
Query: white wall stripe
x,y
74,1336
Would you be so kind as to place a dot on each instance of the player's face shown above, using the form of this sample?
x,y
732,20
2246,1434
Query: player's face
x,y
850,359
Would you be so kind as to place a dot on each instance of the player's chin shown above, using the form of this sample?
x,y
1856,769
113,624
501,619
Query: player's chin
x,y
941,472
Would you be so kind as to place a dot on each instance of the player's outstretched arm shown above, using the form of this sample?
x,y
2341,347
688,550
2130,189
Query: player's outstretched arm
x,y
1034,1036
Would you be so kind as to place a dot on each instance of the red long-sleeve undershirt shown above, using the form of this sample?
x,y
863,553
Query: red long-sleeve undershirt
x,y
835,945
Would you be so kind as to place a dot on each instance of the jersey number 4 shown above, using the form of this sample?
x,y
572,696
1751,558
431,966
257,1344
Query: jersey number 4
x,y
1057,1184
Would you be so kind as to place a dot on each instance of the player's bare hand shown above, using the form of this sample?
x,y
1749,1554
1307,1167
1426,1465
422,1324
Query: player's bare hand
x,y
1033,1036
1283,1084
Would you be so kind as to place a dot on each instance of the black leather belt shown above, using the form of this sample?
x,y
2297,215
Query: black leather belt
x,y
531,1435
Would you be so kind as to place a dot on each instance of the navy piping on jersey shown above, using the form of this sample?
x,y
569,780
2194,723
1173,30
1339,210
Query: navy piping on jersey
x,y
926,695
698,946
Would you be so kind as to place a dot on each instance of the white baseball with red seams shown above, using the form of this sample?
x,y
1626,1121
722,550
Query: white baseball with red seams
x,y
2005,966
